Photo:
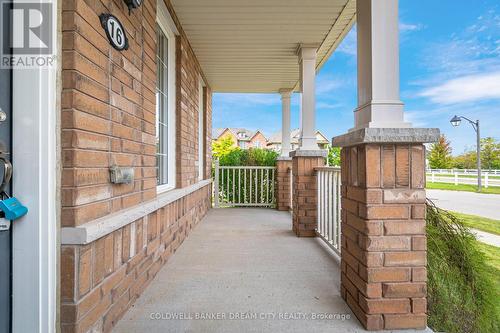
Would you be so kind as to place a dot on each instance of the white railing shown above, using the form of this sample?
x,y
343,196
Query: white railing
x,y
328,229
244,186
290,175
438,176
464,171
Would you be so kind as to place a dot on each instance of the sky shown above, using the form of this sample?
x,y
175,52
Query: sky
x,y
449,64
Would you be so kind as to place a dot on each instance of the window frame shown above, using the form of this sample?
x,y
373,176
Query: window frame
x,y
201,128
165,23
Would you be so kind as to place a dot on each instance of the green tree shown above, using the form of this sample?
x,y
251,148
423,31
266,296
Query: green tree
x,y
467,160
223,146
333,156
440,154
490,153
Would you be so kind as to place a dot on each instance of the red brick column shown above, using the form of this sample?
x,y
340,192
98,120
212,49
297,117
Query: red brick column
x,y
304,191
383,234
283,190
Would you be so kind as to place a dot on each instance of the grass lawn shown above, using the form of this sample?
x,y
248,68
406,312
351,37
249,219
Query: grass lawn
x,y
463,277
462,187
492,254
480,223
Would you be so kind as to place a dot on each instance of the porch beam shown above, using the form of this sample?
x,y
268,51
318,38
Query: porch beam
x,y
307,63
286,96
379,104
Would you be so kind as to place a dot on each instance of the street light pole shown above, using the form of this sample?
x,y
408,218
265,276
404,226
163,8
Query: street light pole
x,y
478,152
455,121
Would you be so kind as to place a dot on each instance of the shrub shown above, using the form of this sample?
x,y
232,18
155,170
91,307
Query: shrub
x,y
461,295
249,157
333,158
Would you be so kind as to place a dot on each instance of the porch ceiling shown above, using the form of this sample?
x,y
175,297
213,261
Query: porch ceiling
x,y
250,46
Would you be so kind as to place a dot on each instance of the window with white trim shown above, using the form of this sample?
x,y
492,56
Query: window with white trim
x,y
165,105
201,132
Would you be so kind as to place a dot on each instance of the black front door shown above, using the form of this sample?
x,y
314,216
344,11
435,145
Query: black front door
x,y
5,235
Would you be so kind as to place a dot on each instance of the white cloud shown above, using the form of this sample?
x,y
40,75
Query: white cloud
x,y
325,86
408,27
327,106
474,50
349,44
466,67
416,118
470,88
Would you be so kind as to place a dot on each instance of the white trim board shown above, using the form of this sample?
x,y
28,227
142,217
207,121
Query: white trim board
x,y
91,231
167,26
35,106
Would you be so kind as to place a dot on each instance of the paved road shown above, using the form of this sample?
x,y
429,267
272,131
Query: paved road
x,y
486,205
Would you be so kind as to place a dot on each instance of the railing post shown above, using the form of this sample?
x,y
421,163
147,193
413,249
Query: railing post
x,y
432,177
456,178
216,184
486,180
304,217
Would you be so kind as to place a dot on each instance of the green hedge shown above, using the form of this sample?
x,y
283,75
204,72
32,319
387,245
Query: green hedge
x,y
462,297
249,157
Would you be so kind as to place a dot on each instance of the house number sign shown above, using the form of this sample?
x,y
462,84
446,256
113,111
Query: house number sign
x,y
115,31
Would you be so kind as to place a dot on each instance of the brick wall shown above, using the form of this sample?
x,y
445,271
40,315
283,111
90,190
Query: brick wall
x,y
108,118
305,195
383,235
101,280
259,137
187,80
108,110
283,190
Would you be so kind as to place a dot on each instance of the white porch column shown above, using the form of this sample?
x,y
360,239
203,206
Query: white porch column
x,y
379,105
307,63
286,96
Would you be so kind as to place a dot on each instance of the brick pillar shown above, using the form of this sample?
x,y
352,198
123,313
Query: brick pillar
x,y
305,190
383,230
283,168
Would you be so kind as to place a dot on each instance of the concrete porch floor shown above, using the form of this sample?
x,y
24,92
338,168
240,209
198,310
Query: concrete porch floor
x,y
244,261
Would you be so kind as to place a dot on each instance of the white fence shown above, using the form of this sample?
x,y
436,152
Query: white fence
x,y
328,180
244,186
465,171
466,178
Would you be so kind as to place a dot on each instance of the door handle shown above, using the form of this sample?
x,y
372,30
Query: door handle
x,y
7,173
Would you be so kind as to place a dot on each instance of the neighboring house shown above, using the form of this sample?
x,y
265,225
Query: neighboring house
x,y
274,141
242,137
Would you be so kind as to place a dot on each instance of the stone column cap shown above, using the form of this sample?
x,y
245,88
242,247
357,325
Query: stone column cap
x,y
386,135
309,153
